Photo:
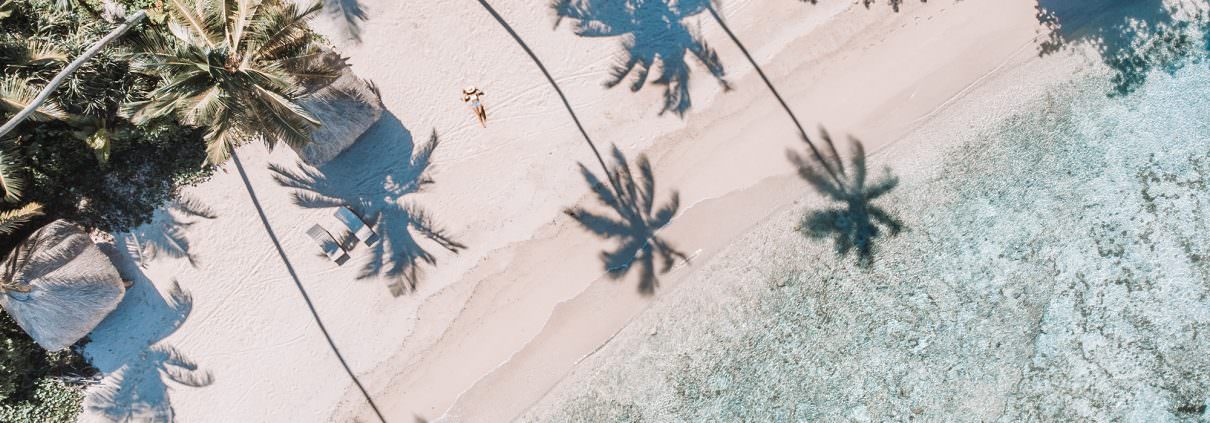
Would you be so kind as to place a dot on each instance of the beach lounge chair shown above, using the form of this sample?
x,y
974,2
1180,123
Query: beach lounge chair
x,y
328,244
358,227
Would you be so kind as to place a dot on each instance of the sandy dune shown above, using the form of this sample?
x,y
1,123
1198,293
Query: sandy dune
x,y
518,294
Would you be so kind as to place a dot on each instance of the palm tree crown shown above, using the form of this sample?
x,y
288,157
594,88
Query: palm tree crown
x,y
239,68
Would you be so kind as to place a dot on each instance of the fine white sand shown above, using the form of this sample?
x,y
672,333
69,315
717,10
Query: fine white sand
x,y
490,329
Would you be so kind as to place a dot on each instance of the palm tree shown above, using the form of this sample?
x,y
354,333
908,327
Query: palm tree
x,y
237,68
654,36
855,224
636,225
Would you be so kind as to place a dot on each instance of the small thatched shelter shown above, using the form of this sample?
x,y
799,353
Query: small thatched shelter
x,y
346,108
58,285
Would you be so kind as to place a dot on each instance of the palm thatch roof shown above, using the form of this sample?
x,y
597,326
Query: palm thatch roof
x,y
346,108
58,285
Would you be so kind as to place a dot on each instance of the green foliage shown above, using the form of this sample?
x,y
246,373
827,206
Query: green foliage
x,y
237,69
81,160
29,388
145,166
53,402
85,161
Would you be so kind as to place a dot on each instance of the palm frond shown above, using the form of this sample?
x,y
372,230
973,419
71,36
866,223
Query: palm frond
x,y
280,27
12,220
238,17
221,140
36,52
12,181
313,68
17,93
282,119
206,106
192,24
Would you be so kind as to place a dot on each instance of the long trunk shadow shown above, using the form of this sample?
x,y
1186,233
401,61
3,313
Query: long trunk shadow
x,y
550,79
376,178
636,224
298,284
637,227
802,133
855,223
655,37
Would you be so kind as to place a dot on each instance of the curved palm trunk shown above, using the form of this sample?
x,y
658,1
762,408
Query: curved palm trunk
x,y
29,109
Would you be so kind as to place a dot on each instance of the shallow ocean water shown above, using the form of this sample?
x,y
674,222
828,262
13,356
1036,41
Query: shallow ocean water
x,y
1055,266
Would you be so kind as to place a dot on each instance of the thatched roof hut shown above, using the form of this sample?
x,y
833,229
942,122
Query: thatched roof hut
x,y
58,285
346,108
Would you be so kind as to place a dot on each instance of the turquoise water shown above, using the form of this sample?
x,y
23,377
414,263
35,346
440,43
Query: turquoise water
x,y
1055,266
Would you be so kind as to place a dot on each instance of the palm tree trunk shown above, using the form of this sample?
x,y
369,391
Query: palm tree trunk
x,y
29,109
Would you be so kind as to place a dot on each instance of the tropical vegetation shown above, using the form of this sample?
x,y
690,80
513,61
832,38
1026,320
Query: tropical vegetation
x,y
152,112
78,156
237,68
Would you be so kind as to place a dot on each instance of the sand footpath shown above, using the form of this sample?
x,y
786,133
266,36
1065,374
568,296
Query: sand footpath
x,y
491,327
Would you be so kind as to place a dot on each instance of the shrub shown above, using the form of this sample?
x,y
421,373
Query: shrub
x,y
53,402
30,388
114,184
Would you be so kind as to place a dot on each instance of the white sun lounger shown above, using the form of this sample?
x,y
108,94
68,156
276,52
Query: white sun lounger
x,y
328,244
357,226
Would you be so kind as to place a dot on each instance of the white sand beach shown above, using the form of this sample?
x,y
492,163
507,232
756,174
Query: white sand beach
x,y
522,297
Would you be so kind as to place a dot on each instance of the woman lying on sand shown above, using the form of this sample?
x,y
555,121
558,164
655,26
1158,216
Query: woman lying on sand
x,y
471,96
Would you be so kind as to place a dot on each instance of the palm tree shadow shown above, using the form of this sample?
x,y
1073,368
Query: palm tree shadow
x,y
654,36
1131,37
136,363
375,179
855,223
350,14
636,224
166,234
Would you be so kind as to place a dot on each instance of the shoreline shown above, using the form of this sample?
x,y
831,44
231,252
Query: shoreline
x,y
561,336
965,314
491,329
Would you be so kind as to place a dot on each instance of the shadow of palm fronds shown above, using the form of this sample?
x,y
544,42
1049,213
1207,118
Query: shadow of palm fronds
x,y
654,37
350,14
636,223
166,234
1131,37
855,223
135,387
384,205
